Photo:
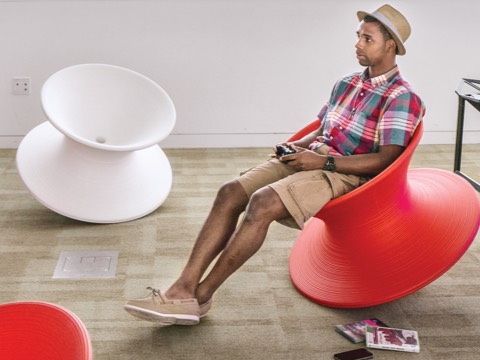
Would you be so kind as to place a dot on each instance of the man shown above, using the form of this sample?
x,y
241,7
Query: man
x,y
365,126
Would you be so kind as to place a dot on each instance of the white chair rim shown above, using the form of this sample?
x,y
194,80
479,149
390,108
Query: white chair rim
x,y
108,107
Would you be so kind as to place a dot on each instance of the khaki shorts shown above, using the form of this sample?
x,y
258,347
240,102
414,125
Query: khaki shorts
x,y
303,193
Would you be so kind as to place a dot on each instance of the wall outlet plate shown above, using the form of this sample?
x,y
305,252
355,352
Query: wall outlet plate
x,y
21,86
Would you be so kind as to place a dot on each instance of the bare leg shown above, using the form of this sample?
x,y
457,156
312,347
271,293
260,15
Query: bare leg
x,y
219,233
230,202
264,207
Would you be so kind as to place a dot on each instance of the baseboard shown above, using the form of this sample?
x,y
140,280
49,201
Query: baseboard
x,y
449,137
268,140
257,140
10,142
223,140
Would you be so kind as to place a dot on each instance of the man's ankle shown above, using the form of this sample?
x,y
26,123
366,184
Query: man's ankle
x,y
179,292
202,296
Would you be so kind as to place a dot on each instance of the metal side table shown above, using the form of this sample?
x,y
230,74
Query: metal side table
x,y
474,100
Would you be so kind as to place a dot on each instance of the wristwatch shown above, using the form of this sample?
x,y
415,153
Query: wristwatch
x,y
330,164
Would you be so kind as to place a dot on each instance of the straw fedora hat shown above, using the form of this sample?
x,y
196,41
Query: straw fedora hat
x,y
396,24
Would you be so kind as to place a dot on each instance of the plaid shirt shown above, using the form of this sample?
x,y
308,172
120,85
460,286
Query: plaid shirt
x,y
363,114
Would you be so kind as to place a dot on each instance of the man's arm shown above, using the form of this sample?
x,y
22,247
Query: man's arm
x,y
373,163
368,165
306,140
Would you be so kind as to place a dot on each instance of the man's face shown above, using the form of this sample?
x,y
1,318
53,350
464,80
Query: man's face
x,y
371,45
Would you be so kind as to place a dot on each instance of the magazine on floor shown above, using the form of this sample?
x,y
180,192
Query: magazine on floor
x,y
379,337
355,331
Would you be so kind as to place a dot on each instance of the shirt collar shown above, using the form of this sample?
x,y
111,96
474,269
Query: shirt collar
x,y
380,79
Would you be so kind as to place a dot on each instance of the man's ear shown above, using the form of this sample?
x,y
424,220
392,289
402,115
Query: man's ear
x,y
392,45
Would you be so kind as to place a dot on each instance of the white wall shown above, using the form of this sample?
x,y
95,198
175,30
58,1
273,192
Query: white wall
x,y
240,72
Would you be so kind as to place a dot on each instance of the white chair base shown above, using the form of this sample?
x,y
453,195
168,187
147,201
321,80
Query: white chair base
x,y
91,184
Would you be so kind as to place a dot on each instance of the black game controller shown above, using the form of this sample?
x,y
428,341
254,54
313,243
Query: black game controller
x,y
284,150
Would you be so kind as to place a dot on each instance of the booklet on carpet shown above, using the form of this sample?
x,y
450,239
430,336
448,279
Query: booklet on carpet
x,y
355,331
392,339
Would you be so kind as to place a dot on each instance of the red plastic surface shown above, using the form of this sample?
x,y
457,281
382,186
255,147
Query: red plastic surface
x,y
42,331
386,239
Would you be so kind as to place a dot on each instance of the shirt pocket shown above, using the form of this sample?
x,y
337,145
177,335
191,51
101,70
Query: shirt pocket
x,y
362,132
336,134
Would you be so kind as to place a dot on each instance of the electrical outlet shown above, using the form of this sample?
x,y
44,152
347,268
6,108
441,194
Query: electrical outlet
x,y
21,86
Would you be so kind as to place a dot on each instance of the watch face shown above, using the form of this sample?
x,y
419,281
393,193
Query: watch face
x,y
330,164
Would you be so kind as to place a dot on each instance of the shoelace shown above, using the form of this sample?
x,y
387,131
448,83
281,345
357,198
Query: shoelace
x,y
155,292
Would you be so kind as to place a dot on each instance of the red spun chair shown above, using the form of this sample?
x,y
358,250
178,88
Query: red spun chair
x,y
42,331
386,239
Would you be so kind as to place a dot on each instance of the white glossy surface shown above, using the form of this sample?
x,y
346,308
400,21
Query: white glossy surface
x,y
108,107
91,184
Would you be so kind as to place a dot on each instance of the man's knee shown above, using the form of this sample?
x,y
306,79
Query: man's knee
x,y
265,205
232,193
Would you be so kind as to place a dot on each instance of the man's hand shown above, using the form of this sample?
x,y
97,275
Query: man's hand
x,y
286,144
323,150
304,159
368,165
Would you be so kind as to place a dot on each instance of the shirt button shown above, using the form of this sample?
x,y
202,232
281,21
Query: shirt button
x,y
340,127
361,94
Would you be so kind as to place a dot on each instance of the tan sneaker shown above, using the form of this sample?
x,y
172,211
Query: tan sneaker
x,y
159,309
205,308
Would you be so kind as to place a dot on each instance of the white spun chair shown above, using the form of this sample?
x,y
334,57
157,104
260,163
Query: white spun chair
x,y
97,159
